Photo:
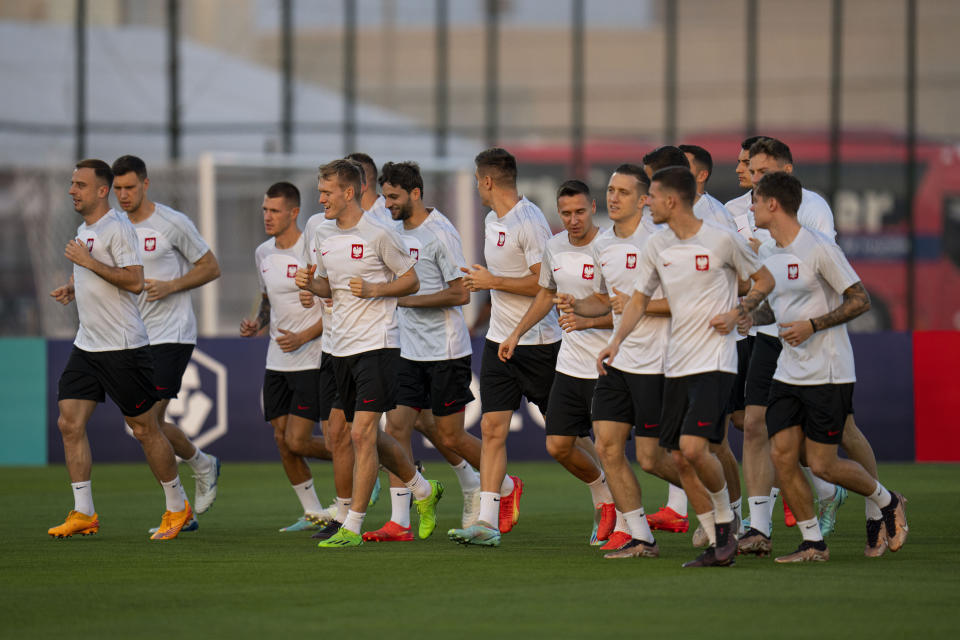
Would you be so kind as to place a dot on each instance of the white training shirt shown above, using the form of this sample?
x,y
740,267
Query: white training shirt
x,y
511,244
379,214
811,273
109,317
644,348
169,244
709,208
567,268
370,252
699,278
434,333
739,208
276,270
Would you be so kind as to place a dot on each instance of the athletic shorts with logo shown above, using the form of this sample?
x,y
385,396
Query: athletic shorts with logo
x,y
694,406
763,364
820,410
568,409
443,386
738,395
125,375
529,373
170,360
631,398
367,381
294,393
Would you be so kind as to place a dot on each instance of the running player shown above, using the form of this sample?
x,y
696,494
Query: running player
x,y
817,293
176,259
515,236
706,206
373,204
698,265
364,269
110,354
291,389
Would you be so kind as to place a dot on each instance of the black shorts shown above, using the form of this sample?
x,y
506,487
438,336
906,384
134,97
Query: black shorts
x,y
738,398
632,398
327,387
125,375
528,373
443,386
763,364
693,406
170,360
568,409
820,410
291,393
367,381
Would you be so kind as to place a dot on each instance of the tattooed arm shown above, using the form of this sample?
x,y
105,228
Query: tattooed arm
x,y
763,283
250,328
856,301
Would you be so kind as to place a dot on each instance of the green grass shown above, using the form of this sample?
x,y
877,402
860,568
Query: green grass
x,y
239,577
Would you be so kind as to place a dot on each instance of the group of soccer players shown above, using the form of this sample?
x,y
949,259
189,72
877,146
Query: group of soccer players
x,y
682,318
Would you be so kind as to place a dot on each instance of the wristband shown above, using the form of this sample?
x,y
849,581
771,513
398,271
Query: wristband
x,y
813,325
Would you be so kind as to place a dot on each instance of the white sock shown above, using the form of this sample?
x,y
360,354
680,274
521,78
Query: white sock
x,y
761,513
810,530
400,506
343,506
880,496
506,487
871,510
490,508
774,492
677,499
173,491
200,462
467,475
621,523
599,491
639,527
83,498
721,505
419,486
737,507
308,497
709,524
824,489
354,521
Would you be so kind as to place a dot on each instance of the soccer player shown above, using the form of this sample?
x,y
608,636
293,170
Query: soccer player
x,y
373,204
817,292
364,269
176,259
291,382
706,207
110,354
434,371
698,264
516,234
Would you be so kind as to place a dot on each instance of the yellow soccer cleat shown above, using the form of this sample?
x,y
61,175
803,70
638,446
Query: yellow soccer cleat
x,y
172,522
76,522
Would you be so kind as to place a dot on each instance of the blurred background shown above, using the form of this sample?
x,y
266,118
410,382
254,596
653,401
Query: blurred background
x,y
224,97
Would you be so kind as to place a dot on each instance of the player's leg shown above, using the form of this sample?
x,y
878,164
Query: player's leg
x,y
400,422
758,472
72,422
857,447
785,445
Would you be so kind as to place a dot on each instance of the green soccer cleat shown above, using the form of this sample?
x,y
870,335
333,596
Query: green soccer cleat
x,y
307,522
478,534
427,510
342,538
827,513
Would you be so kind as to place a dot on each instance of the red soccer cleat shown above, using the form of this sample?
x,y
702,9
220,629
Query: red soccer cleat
x,y
510,506
616,541
390,532
788,518
608,520
666,519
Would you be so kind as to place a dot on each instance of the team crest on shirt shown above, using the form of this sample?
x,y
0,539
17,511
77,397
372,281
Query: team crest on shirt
x,y
502,238
588,272
631,261
415,253
90,245
356,251
291,271
149,244
793,271
703,263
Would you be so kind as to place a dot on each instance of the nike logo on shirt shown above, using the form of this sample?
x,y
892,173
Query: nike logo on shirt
x,y
703,424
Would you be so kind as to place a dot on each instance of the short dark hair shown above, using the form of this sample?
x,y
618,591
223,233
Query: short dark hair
x,y
405,175
782,187
635,170
100,168
700,155
499,164
573,188
349,173
285,190
367,164
665,156
678,179
748,142
125,164
772,147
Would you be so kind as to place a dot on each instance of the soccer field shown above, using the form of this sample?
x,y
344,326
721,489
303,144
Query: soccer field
x,y
238,577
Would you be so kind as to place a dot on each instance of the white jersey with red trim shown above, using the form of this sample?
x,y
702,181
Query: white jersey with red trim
x,y
739,208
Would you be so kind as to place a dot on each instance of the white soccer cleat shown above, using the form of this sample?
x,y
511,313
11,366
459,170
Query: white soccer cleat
x,y
206,487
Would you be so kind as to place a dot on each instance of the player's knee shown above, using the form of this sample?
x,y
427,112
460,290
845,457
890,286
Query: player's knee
x,y
693,451
754,427
70,427
648,461
296,443
559,450
821,467
607,451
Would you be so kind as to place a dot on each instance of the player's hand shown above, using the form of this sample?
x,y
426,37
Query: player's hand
x,y
744,323
327,302
77,253
158,289
478,278
724,323
362,289
304,277
608,353
754,244
306,299
564,302
64,295
618,301
249,328
572,322
507,347
289,340
795,333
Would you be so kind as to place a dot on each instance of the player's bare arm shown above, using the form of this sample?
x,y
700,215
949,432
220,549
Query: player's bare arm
x,y
404,285
538,309
479,278
250,328
318,286
454,295
203,271
292,340
763,283
64,294
128,278
592,306
573,322
856,301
